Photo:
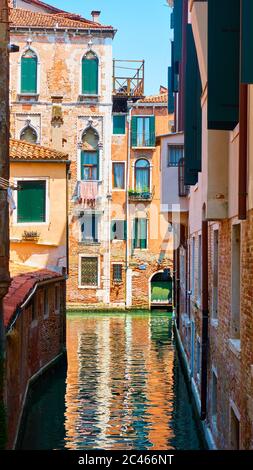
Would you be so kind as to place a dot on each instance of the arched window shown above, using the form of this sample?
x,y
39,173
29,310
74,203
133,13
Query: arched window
x,y
29,65
142,175
29,135
90,155
90,74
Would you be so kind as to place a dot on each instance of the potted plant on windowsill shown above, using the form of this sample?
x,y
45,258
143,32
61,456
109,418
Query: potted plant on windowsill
x,y
30,236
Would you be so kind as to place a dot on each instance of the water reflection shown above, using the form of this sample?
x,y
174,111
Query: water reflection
x,y
124,389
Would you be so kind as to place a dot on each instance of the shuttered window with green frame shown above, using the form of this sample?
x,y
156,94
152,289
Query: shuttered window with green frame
x,y
246,41
119,124
140,227
90,74
31,206
118,230
143,131
193,113
29,65
223,64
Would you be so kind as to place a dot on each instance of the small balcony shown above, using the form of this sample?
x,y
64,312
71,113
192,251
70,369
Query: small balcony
x,y
144,195
128,79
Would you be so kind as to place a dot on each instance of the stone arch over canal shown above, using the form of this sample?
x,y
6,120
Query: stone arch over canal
x,y
161,289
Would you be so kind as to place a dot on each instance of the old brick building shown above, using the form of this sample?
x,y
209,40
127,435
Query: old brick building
x,y
63,91
141,242
213,264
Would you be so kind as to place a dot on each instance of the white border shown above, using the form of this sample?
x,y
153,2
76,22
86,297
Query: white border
x,y
15,212
24,50
118,189
96,96
81,255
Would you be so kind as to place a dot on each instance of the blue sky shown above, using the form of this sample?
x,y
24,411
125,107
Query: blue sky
x,y
143,32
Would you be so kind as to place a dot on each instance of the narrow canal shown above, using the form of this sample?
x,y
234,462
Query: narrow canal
x,y
124,389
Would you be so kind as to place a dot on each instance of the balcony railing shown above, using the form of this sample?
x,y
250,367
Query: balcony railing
x,y
128,78
138,195
140,140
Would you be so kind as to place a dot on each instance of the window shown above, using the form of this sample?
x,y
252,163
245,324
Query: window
x,y
119,124
199,267
90,74
57,298
142,175
117,272
89,272
234,430
182,189
143,131
140,234
214,398
89,228
118,230
193,267
31,206
46,303
29,64
89,166
236,280
118,174
175,154
29,135
198,358
215,273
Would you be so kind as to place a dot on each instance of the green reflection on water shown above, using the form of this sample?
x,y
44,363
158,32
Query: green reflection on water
x,y
124,389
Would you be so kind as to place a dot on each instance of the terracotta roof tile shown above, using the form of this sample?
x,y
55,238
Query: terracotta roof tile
x,y
20,17
20,288
161,98
22,150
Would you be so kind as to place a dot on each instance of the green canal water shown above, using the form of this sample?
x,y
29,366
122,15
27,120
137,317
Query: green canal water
x,y
123,389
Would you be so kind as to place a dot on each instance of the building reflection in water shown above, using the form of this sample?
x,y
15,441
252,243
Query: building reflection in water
x,y
124,389
120,382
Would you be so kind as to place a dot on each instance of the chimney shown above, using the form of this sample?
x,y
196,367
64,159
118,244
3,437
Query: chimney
x,y
95,16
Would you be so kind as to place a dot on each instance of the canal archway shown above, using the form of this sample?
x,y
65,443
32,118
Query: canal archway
x,y
161,289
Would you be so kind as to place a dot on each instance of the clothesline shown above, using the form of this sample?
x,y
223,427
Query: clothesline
x,y
5,184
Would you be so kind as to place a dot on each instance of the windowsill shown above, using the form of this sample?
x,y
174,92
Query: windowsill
x,y
29,224
117,190
91,243
235,347
139,249
83,97
88,287
118,241
144,147
28,96
119,135
214,322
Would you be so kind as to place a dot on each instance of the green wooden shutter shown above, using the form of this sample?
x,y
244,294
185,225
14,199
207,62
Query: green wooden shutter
x,y
152,131
178,13
90,76
171,100
247,41
31,201
134,131
143,233
119,124
223,63
175,70
193,113
125,229
172,20
135,233
29,75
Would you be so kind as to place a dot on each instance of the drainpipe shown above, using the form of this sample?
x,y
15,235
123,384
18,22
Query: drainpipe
x,y
243,152
127,200
204,319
